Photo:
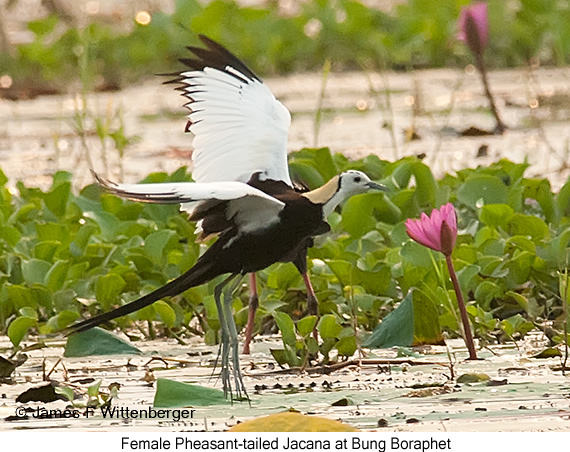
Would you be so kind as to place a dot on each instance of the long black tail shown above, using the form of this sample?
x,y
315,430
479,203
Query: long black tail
x,y
200,273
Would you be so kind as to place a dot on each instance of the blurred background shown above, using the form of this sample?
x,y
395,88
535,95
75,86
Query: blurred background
x,y
45,42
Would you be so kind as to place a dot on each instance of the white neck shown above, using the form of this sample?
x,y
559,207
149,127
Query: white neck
x,y
331,204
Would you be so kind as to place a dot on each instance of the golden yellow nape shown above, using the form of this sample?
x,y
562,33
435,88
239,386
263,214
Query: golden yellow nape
x,y
292,422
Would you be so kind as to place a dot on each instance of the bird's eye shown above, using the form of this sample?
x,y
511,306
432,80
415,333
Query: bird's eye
x,y
357,179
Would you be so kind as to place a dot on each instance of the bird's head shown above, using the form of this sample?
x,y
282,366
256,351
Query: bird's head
x,y
342,187
354,182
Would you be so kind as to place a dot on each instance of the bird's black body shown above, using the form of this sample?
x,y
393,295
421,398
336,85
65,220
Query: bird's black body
x,y
235,252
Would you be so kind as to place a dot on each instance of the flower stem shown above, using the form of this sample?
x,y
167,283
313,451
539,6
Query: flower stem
x,y
462,310
500,127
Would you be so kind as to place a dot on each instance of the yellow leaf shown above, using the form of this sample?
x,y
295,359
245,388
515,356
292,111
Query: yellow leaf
x,y
292,422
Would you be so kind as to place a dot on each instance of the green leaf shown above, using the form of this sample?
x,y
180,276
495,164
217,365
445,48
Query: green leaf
x,y
28,312
10,234
528,225
65,391
426,186
172,394
52,232
59,321
46,250
44,26
466,275
516,324
562,201
418,255
397,329
303,172
107,222
486,292
158,243
108,288
360,213
490,189
344,271
280,355
549,352
165,312
496,215
56,276
521,300
21,296
93,390
283,276
306,325
35,270
56,200
286,326
329,327
19,328
97,341
426,320
346,346
414,322
540,190
520,266
320,159
472,378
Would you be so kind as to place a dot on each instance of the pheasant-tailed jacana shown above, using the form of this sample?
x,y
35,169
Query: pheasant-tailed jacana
x,y
239,129
259,219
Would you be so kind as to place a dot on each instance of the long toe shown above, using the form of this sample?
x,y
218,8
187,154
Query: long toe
x,y
238,377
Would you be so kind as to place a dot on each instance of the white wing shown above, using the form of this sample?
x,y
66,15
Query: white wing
x,y
239,127
249,208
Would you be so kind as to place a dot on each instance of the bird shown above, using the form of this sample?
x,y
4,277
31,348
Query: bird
x,y
257,215
245,129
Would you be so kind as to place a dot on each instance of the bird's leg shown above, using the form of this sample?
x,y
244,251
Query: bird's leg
x,y
223,351
300,261
253,305
228,298
312,302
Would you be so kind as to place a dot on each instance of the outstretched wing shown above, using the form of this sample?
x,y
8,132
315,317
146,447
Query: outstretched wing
x,y
239,127
218,205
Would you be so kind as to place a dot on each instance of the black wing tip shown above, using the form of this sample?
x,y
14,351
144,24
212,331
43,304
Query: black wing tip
x,y
218,57
104,183
208,41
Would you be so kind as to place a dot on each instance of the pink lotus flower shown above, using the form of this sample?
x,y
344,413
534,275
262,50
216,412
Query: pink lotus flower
x,y
438,231
473,26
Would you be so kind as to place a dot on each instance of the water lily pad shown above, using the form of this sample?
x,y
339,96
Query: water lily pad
x,y
473,378
170,393
97,341
414,322
45,394
7,366
549,352
292,422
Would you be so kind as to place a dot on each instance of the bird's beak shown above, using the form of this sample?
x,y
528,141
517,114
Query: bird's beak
x,y
375,186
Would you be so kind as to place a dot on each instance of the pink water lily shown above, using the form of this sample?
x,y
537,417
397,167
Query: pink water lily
x,y
438,231
473,25
473,30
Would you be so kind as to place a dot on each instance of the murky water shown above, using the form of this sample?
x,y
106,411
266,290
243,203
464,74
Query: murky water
x,y
526,394
362,114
